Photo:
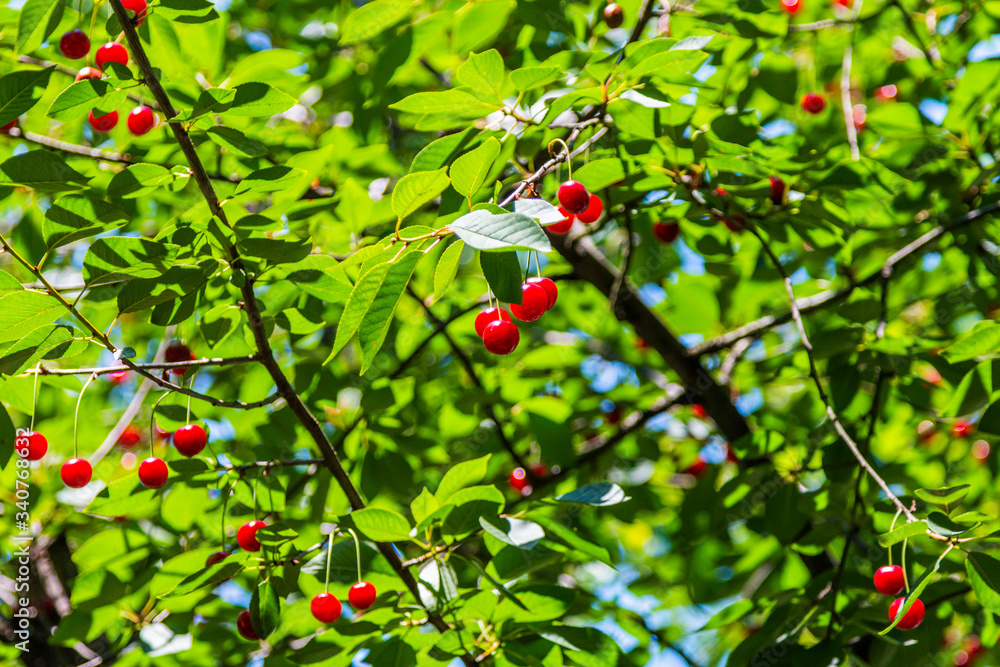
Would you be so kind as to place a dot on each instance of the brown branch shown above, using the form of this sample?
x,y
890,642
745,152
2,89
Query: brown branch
x,y
75,149
69,71
165,365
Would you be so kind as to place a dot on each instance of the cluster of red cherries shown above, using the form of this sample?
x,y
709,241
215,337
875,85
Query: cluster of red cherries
x,y
890,580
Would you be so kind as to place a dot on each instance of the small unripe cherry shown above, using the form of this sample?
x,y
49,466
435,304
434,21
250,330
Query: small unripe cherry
x,y
245,627
573,197
889,580
112,52
190,440
912,618
534,303
813,103
74,44
666,232
104,123
362,595
501,337
31,445
488,315
563,225
246,536
551,290
777,190
76,473
613,15
592,213
88,73
153,473
140,120
326,608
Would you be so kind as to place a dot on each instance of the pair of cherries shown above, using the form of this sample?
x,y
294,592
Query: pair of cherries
x,y
576,203
75,44
325,608
75,473
889,580
500,335
140,120
519,480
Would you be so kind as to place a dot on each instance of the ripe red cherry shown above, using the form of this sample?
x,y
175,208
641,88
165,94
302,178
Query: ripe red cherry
x,y
130,437
534,303
734,224
501,337
574,197
136,9
698,468
32,445
246,536
791,6
550,289
613,15
699,411
889,580
846,4
104,123
160,433
912,619
488,315
190,440
76,473
886,93
118,378
777,190
74,44
112,52
961,428
217,557
175,352
860,115
245,627
361,595
89,73
563,225
8,127
153,473
140,120
813,102
326,608
519,477
593,211
667,232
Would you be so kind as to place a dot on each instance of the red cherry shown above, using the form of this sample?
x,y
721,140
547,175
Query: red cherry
x,y
574,197
326,608
699,411
720,192
31,445
160,433
361,595
813,102
791,6
501,337
112,52
777,190
140,120
488,315
246,536
130,437
698,468
74,44
886,93
734,224
731,455
961,428
175,352
613,15
859,114
217,557
104,123
563,225
136,9
614,416
667,232
153,473
190,440
550,289
534,303
118,377
846,4
8,127
912,619
245,627
593,211
889,580
519,478
89,73
76,473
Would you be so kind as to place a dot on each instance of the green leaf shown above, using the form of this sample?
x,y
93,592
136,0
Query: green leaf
x,y
903,532
479,24
515,532
983,340
471,504
984,577
76,217
538,209
24,311
210,576
41,170
599,494
454,103
287,250
265,493
484,73
946,499
254,99
50,341
275,535
468,173
372,19
78,99
914,594
211,100
393,651
528,78
33,23
265,608
416,189
503,272
437,584
423,505
571,538
381,525
484,230
460,476
8,437
600,174
269,179
20,91
939,523
374,325
141,179
113,258
237,142
447,268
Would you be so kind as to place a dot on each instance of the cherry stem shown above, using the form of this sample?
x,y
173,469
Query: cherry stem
x,y
329,557
76,415
906,579
225,501
34,400
569,157
152,421
357,550
188,418
892,526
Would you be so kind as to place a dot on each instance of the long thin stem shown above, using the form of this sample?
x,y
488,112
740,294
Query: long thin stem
x,y
357,550
329,557
34,403
76,416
